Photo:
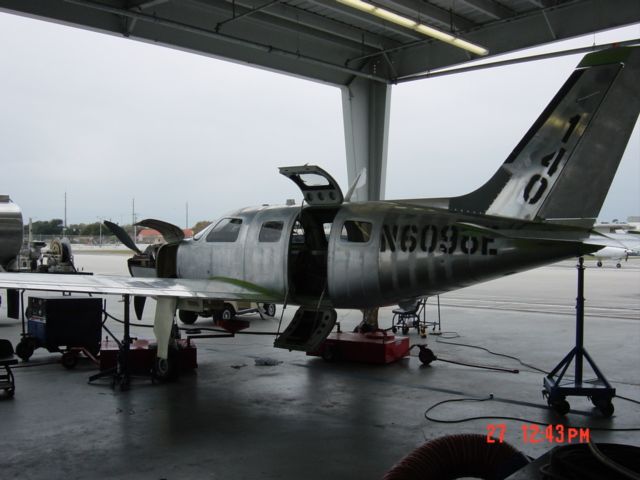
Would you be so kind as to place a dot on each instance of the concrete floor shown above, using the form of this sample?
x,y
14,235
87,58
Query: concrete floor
x,y
305,418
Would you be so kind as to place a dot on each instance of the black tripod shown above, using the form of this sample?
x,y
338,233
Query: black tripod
x,y
119,374
598,390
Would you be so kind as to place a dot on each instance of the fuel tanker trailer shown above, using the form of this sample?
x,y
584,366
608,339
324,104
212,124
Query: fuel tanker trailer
x,y
10,233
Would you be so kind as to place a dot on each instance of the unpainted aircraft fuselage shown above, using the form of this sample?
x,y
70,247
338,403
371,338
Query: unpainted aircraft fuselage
x,y
358,255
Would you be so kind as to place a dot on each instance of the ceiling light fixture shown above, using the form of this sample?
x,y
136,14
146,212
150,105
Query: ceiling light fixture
x,y
405,22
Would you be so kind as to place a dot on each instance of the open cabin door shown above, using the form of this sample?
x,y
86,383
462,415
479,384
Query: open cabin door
x,y
317,186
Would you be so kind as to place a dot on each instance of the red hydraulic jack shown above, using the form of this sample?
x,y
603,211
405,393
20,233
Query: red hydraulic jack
x,y
378,347
373,347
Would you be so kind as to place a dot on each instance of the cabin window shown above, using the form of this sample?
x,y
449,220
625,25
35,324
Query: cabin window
x,y
356,231
270,231
226,230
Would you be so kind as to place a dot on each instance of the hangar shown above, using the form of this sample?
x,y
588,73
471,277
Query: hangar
x,y
362,48
365,101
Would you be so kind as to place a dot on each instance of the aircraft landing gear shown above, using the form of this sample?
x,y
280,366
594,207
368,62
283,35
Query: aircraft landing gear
x,y
599,263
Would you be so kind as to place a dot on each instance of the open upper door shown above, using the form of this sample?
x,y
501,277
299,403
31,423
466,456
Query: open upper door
x,y
318,187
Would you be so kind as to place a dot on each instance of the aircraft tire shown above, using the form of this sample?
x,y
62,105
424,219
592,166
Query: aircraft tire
x,y
599,263
618,265
166,369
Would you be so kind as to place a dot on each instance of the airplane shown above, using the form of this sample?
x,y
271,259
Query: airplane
x,y
330,252
620,247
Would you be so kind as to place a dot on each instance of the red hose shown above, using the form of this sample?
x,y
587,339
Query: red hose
x,y
456,456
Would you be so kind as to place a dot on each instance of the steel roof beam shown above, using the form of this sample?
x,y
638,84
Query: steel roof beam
x,y
130,23
366,18
426,12
297,16
267,49
490,8
282,22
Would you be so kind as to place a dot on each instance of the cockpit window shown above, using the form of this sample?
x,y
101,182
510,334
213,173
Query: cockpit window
x,y
356,231
200,234
270,231
226,230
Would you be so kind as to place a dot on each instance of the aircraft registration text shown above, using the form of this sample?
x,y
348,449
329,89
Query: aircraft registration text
x,y
434,239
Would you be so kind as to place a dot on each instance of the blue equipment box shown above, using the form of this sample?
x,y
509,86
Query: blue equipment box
x,y
70,321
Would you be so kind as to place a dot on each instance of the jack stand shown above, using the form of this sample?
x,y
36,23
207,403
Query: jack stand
x,y
599,390
120,376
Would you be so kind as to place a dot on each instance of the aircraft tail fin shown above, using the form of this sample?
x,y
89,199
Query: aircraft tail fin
x,y
562,169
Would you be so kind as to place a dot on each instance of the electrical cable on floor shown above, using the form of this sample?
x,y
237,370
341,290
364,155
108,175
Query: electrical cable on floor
x,y
484,367
533,367
492,353
504,417
628,399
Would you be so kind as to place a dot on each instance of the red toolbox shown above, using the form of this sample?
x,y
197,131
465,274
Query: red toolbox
x,y
142,355
375,347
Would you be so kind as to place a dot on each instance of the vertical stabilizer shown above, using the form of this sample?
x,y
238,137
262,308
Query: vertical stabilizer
x,y
562,169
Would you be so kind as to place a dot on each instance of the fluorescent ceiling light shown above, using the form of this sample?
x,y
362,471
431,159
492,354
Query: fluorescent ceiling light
x,y
405,22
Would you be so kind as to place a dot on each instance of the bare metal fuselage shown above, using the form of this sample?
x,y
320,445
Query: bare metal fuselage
x,y
407,251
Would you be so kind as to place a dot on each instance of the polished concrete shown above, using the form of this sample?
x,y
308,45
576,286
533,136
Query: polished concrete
x,y
306,418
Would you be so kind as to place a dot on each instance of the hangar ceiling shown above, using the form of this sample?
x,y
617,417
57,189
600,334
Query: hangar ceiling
x,y
330,41
342,42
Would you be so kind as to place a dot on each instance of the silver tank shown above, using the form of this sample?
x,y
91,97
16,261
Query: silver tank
x,y
10,231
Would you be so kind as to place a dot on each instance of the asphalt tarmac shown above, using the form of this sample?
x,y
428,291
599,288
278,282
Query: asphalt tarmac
x,y
307,418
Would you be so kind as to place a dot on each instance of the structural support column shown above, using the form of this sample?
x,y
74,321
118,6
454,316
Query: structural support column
x,y
365,110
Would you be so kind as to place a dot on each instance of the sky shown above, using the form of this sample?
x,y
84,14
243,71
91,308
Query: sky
x,y
107,120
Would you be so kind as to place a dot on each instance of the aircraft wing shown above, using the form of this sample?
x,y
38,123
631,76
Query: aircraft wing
x,y
215,288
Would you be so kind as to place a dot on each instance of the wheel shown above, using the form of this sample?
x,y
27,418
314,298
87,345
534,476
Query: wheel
x,y
599,263
269,309
618,265
69,360
394,329
604,405
607,409
25,349
405,330
187,317
330,353
166,369
561,406
228,312
426,356
10,392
